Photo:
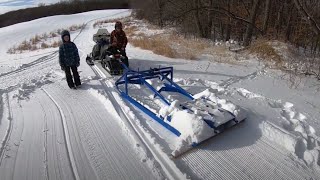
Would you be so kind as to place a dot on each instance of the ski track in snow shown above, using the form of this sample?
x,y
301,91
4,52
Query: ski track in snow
x,y
6,124
93,129
66,138
32,150
259,161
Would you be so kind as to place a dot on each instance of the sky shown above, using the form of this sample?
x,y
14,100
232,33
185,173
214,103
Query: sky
x,y
16,3
10,5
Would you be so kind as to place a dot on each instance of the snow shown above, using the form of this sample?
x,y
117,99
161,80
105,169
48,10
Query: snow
x,y
49,131
239,113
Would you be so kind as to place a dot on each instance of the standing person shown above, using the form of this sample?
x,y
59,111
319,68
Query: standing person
x,y
69,60
119,39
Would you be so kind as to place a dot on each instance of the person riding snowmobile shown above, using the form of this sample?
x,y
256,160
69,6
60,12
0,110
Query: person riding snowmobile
x,y
119,38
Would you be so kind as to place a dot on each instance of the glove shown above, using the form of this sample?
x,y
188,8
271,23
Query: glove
x,y
63,68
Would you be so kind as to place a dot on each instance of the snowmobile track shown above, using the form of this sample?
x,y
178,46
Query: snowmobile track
x,y
235,80
39,61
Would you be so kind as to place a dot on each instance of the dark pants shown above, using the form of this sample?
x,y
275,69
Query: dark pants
x,y
123,53
76,76
116,50
125,59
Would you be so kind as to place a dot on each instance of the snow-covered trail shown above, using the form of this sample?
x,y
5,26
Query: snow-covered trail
x,y
35,144
98,142
67,138
50,132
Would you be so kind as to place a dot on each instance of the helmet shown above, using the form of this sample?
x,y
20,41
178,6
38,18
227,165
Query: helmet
x,y
118,25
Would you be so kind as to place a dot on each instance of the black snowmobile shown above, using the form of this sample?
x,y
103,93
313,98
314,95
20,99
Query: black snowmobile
x,y
111,61
109,56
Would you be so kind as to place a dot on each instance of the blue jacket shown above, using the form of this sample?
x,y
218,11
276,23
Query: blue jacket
x,y
68,53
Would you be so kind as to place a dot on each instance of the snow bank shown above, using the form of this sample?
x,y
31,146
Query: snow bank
x,y
297,120
306,149
279,135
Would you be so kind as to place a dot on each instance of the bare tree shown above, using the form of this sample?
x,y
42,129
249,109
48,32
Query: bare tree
x,y
238,19
302,10
250,26
266,16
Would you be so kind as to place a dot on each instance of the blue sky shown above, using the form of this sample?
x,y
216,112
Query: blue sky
x,y
16,3
10,5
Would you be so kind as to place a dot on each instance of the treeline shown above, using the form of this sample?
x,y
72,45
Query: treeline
x,y
296,21
63,7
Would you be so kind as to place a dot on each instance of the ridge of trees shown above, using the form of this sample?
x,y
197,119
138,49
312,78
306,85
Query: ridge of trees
x,y
61,8
294,21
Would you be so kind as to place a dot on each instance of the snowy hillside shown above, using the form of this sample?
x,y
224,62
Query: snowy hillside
x,y
48,131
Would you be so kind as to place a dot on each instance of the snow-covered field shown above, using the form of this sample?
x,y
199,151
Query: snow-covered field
x,y
48,131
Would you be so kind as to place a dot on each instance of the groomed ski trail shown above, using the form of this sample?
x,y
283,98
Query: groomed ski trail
x,y
35,148
66,138
100,145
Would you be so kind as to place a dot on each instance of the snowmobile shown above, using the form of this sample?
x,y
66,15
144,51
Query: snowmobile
x,y
109,56
111,61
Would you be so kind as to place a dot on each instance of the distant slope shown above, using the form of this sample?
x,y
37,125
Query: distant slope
x,y
62,8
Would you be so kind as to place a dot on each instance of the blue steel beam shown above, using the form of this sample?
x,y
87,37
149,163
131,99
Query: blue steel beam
x,y
151,114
